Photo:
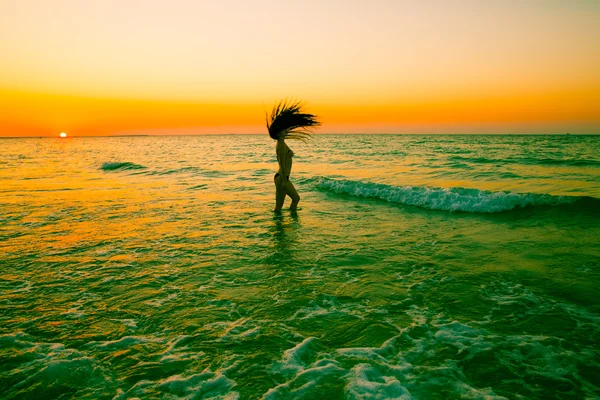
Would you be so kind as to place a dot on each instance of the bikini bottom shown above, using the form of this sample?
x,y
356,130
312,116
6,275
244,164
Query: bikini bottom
x,y
277,174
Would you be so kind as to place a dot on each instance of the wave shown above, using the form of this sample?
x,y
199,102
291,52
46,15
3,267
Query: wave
x,y
569,162
114,166
529,161
183,170
449,199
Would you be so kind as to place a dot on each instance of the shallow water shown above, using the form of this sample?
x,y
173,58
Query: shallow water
x,y
425,267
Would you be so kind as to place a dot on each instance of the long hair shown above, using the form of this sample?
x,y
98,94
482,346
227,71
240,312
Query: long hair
x,y
289,120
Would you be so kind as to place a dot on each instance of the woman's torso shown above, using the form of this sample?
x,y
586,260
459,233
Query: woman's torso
x,y
285,168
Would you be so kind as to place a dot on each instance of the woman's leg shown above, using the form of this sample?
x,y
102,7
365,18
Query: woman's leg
x,y
290,190
279,195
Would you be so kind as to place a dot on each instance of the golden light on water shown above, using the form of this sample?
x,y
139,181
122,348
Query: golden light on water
x,y
63,135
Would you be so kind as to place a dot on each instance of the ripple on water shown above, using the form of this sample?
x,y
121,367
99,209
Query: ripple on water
x,y
167,276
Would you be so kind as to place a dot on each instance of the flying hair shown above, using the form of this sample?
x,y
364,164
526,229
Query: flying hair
x,y
289,120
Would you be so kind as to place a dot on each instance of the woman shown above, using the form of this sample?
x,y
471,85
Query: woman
x,y
288,121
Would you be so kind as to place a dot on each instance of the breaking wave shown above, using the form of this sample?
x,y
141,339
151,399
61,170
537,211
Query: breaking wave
x,y
448,199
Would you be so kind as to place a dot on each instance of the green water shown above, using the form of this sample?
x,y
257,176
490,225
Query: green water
x,y
425,267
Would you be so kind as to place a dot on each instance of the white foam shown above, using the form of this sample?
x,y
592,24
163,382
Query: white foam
x,y
204,385
45,367
296,357
434,355
365,382
302,385
449,199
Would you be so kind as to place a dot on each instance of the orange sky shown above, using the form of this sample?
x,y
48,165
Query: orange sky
x,y
390,66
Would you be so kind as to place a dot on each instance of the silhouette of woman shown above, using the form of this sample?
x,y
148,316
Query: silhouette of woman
x,y
288,121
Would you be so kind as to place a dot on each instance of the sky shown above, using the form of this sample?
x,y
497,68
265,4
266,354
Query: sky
x,y
375,66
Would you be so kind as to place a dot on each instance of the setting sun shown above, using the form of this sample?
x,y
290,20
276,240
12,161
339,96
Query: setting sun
x,y
63,135
377,67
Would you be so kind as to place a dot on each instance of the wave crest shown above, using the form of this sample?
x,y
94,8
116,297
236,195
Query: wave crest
x,y
113,166
448,199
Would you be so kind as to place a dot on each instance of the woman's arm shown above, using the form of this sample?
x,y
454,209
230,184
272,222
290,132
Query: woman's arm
x,y
282,159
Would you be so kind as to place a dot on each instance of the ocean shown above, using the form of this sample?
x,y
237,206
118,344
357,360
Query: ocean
x,y
417,267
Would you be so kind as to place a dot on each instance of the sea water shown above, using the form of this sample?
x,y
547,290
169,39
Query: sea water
x,y
418,267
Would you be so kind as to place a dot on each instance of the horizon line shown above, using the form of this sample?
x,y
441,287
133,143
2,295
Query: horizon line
x,y
332,134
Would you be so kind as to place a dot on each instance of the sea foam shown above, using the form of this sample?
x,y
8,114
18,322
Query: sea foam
x,y
448,199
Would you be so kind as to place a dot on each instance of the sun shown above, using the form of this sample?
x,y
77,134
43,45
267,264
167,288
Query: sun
x,y
63,135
